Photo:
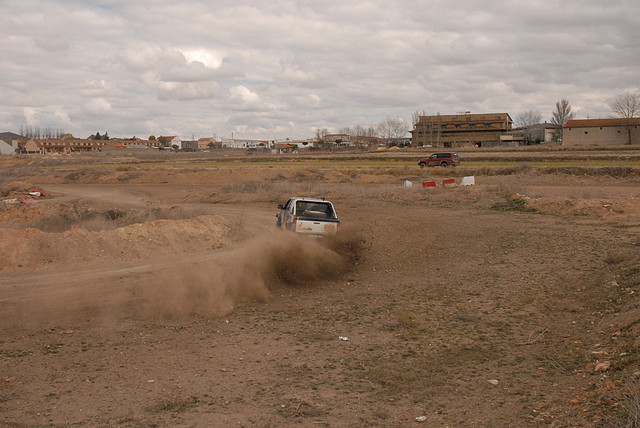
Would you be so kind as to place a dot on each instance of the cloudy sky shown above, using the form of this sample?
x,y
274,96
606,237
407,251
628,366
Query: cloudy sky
x,y
284,68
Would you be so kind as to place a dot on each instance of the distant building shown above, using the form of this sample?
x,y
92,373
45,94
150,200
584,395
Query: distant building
x,y
598,132
10,137
545,133
460,130
136,143
285,147
515,137
171,140
55,146
296,144
365,141
231,143
206,143
541,133
6,148
189,145
14,140
339,139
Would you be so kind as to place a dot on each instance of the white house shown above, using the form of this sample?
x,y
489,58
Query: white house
x,y
172,140
231,143
6,148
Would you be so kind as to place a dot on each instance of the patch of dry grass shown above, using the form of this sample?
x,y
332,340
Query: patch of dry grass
x,y
175,405
627,411
617,257
65,216
407,319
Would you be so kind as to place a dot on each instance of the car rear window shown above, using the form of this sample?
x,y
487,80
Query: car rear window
x,y
314,209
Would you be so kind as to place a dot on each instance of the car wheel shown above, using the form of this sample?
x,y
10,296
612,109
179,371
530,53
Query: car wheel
x,y
422,164
444,164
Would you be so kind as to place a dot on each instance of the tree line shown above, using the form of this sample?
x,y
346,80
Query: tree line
x,y
387,129
37,132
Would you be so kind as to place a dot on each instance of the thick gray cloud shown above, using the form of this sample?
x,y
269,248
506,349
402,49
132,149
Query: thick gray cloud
x,y
285,68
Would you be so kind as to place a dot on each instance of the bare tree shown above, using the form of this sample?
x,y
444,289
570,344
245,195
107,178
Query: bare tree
x,y
561,115
320,134
415,117
358,131
392,128
527,120
627,106
364,131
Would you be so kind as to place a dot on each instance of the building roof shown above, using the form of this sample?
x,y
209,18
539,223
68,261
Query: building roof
x,y
9,136
125,142
467,116
596,123
538,126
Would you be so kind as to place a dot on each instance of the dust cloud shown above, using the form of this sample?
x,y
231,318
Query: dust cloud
x,y
213,286
207,285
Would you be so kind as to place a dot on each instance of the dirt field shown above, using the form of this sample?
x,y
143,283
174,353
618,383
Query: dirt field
x,y
161,295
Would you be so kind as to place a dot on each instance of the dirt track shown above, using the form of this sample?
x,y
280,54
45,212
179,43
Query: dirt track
x,y
458,307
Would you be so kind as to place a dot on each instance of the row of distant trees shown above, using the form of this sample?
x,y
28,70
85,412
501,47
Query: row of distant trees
x,y
38,132
97,136
105,136
47,132
559,116
388,129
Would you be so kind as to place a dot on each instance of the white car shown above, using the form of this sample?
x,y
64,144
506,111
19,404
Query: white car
x,y
310,216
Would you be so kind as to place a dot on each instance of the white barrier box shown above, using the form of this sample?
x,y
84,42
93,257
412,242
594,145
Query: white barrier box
x,y
408,184
468,181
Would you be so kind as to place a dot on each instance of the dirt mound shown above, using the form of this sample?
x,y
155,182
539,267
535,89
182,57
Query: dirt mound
x,y
33,248
15,188
598,208
60,217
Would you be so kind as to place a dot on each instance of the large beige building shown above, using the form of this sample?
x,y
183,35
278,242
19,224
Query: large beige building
x,y
57,146
460,130
598,132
